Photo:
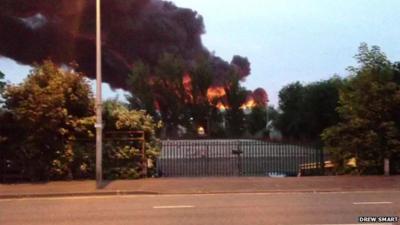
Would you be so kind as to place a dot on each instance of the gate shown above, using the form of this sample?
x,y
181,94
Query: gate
x,y
186,158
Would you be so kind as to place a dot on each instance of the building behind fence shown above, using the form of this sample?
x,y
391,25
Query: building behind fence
x,y
238,158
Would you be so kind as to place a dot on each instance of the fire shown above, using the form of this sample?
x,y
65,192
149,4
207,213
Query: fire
x,y
221,106
215,92
249,104
187,81
156,105
201,131
187,85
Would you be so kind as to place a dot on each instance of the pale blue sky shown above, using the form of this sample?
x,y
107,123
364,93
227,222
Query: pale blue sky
x,y
288,40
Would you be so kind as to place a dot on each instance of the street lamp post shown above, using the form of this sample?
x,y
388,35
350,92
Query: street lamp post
x,y
99,122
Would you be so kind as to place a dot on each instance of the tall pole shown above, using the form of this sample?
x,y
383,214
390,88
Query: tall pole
x,y
99,122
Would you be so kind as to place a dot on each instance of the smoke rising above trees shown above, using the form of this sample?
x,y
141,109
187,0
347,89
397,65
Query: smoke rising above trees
x,y
65,31
132,30
151,48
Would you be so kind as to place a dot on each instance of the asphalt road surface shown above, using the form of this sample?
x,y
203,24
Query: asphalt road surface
x,y
202,209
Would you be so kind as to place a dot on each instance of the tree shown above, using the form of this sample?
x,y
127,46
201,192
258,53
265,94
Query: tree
x,y
162,90
273,114
123,159
236,95
291,120
48,125
139,82
177,92
369,107
308,109
49,111
257,119
198,109
320,102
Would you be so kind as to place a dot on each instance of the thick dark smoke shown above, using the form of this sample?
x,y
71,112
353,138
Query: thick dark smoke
x,y
242,65
64,31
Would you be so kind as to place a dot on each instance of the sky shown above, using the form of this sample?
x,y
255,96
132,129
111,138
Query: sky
x,y
286,40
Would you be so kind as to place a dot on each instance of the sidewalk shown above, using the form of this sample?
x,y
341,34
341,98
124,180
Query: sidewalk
x,y
203,185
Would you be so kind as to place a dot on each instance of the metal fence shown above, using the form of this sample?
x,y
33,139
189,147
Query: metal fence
x,y
238,158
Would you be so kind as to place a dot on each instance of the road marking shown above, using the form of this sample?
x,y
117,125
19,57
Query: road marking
x,y
371,203
173,206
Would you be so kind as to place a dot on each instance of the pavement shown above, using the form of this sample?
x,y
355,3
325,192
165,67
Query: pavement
x,y
202,185
344,208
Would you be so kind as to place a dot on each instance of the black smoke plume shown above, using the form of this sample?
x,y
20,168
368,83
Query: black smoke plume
x,y
64,31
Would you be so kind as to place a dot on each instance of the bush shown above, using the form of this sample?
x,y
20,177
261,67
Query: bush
x,y
123,159
49,110
47,129
368,107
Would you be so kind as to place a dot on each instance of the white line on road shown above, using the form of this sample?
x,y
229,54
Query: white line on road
x,y
371,203
173,206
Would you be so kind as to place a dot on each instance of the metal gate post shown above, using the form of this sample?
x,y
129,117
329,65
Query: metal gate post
x,y
207,160
240,159
322,161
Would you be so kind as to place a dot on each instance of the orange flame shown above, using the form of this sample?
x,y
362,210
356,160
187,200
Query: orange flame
x,y
249,104
187,85
214,93
221,106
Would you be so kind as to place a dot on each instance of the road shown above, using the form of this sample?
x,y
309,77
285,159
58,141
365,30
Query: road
x,y
202,209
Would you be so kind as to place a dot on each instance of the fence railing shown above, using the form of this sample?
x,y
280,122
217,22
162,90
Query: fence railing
x,y
238,158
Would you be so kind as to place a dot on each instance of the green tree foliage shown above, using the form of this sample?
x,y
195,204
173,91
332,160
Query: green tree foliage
x,y
273,113
123,158
308,109
161,90
291,121
177,91
47,127
236,95
369,109
199,110
256,120
45,115
139,83
177,94
320,101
